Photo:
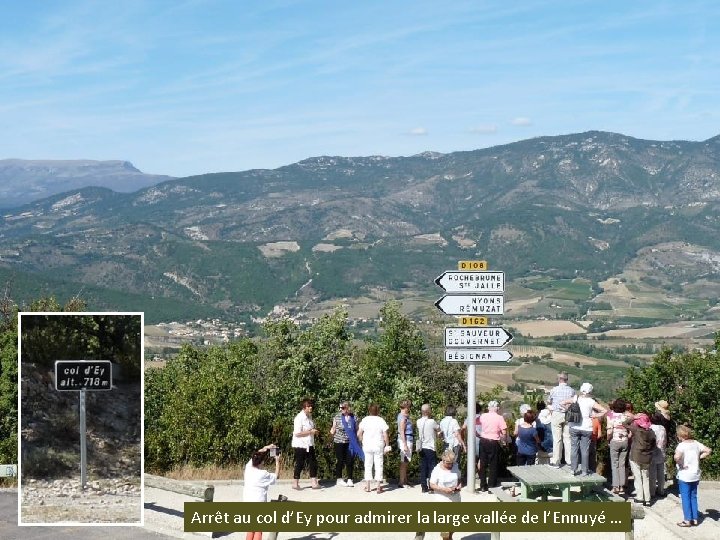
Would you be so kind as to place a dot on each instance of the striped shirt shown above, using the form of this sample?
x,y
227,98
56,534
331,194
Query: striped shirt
x,y
559,394
340,436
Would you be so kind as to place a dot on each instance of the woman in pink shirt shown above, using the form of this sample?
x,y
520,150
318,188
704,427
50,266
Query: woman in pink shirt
x,y
494,429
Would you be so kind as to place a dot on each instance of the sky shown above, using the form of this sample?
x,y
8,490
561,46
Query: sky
x,y
191,87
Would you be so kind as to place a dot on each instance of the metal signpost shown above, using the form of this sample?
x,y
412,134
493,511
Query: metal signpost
x,y
80,376
472,297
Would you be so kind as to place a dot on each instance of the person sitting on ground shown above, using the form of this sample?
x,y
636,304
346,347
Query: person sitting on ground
x,y
445,482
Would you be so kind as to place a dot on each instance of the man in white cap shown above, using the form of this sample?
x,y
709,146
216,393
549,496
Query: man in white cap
x,y
560,429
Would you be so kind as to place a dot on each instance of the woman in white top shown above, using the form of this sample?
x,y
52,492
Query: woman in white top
x,y
581,434
688,454
373,432
445,482
257,480
303,443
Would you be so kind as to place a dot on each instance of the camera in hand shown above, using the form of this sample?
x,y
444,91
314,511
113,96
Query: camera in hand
x,y
274,452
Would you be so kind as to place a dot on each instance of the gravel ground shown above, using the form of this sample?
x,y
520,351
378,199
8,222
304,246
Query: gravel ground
x,y
103,501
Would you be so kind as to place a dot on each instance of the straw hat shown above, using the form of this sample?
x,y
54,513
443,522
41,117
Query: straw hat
x,y
663,407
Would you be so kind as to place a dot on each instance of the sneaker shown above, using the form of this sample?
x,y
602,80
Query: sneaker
x,y
340,482
349,483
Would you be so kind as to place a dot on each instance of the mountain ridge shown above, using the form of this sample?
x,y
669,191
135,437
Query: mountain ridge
x,y
578,205
24,181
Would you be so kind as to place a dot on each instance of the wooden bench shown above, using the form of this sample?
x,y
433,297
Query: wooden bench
x,y
204,492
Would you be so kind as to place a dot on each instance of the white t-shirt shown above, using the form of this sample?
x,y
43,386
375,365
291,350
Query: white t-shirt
x,y
427,430
256,483
586,404
450,427
445,478
302,423
690,453
373,428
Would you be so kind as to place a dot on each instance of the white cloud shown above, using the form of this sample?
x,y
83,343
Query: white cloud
x,y
521,121
484,130
418,132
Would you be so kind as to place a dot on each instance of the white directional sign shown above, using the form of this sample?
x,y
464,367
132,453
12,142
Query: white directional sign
x,y
477,355
471,304
491,337
477,282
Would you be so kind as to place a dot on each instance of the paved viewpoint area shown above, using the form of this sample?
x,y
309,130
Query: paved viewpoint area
x,y
164,517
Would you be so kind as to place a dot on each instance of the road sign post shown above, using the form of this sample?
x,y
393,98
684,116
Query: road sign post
x,y
472,296
81,376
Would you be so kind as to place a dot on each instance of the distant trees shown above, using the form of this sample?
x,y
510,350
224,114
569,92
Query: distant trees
x,y
8,381
46,338
9,366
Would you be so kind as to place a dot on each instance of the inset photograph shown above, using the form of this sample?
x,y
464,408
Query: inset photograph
x,y
81,391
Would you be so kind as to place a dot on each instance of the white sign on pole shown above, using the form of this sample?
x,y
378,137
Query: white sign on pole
x,y
477,282
491,337
471,304
477,355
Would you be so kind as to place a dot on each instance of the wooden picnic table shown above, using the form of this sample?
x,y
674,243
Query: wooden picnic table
x,y
543,480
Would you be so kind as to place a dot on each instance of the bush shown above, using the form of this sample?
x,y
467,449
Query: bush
x,y
689,382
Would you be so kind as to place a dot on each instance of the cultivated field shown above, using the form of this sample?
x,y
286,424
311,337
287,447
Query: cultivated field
x,y
547,328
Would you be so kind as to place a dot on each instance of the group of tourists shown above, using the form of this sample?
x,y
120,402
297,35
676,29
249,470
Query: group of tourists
x,y
635,438
562,431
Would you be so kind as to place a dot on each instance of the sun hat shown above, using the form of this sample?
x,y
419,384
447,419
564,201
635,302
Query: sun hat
x,y
663,407
586,388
